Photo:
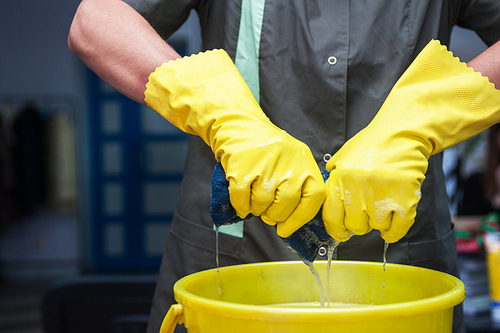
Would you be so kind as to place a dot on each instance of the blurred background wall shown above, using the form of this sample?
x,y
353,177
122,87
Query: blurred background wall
x,y
50,222
38,71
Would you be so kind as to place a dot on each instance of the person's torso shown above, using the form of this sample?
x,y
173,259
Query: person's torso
x,y
321,70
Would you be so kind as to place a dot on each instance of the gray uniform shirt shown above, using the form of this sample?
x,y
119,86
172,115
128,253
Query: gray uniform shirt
x,y
324,69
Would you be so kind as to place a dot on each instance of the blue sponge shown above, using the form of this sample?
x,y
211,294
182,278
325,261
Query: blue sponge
x,y
305,242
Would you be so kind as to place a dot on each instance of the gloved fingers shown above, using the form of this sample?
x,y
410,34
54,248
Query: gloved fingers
x,y
400,224
357,220
286,199
267,220
333,213
311,198
239,195
381,213
262,196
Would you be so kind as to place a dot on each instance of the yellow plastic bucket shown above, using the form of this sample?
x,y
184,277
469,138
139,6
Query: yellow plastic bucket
x,y
401,299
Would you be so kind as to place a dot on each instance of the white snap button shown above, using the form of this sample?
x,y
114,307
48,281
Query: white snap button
x,y
326,157
332,60
322,251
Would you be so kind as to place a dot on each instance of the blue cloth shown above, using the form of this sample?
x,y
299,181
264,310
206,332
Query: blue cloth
x,y
305,242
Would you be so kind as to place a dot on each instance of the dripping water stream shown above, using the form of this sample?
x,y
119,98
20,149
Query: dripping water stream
x,y
331,250
386,245
217,260
318,280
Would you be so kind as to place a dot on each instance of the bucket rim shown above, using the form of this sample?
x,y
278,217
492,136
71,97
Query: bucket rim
x,y
445,301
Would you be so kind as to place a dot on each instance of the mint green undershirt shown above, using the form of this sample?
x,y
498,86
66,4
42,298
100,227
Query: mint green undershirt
x,y
248,47
247,62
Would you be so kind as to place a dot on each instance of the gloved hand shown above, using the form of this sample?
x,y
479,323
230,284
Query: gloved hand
x,y
376,176
270,173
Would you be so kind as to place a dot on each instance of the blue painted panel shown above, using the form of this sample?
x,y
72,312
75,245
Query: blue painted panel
x,y
118,240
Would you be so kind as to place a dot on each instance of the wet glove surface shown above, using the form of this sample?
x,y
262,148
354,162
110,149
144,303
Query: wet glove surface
x,y
270,173
376,176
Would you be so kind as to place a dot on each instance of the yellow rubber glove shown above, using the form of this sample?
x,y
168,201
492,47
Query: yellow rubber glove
x,y
376,176
270,173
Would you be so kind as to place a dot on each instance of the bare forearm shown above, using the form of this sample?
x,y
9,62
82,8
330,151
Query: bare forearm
x,y
488,64
118,44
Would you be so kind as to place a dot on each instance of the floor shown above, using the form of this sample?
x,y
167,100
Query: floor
x,y
20,306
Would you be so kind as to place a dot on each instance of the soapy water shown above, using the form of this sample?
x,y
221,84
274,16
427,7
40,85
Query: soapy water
x,y
310,264
331,249
311,239
217,261
320,284
386,245
386,206
317,305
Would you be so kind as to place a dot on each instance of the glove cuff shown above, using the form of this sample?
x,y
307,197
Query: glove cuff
x,y
438,102
474,100
173,84
201,93
178,73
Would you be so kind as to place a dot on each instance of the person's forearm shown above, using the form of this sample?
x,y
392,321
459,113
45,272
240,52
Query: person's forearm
x,y
488,64
118,44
